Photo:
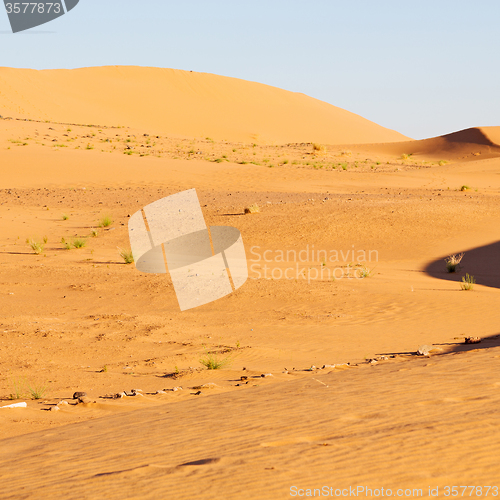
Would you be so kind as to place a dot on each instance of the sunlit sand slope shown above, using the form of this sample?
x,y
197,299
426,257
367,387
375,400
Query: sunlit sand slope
x,y
185,103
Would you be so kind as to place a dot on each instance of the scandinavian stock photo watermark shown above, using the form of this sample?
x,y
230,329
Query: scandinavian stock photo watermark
x,y
311,263
207,263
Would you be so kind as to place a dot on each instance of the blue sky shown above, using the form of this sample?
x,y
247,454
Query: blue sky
x,y
422,68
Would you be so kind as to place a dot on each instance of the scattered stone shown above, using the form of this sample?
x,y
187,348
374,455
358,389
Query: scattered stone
x,y
55,408
160,392
15,405
266,375
62,403
130,394
197,393
243,377
427,350
285,372
373,361
177,389
85,400
472,340
77,395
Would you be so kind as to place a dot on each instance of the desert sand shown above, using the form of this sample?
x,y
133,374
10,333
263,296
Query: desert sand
x,y
79,145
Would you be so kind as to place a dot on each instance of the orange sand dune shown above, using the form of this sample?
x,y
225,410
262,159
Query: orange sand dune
x,y
169,101
466,145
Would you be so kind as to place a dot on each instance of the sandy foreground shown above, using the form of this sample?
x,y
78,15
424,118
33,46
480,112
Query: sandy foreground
x,y
376,416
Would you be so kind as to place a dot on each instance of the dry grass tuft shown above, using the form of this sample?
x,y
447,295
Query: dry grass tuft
x,y
36,246
453,261
252,209
319,149
126,255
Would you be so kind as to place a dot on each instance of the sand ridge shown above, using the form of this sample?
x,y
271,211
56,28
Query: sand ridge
x,y
182,103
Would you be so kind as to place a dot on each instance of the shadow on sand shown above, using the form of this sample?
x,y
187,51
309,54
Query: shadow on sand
x,y
483,263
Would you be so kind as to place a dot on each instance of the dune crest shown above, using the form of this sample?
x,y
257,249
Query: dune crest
x,y
464,145
184,103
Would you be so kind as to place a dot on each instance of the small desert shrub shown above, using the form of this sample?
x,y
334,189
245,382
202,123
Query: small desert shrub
x,y
364,272
18,385
442,162
89,146
453,261
126,255
36,246
105,221
37,390
213,362
465,188
406,156
79,242
252,209
319,149
94,233
65,217
468,282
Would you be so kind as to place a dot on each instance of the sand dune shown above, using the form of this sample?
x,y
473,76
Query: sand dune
x,y
463,145
79,319
415,425
169,101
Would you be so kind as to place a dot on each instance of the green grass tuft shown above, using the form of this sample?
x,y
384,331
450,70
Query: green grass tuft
x,y
105,221
468,282
37,390
79,242
18,385
212,361
126,255
36,246
364,272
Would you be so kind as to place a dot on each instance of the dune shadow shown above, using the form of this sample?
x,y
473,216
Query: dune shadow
x,y
482,262
486,343
452,347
